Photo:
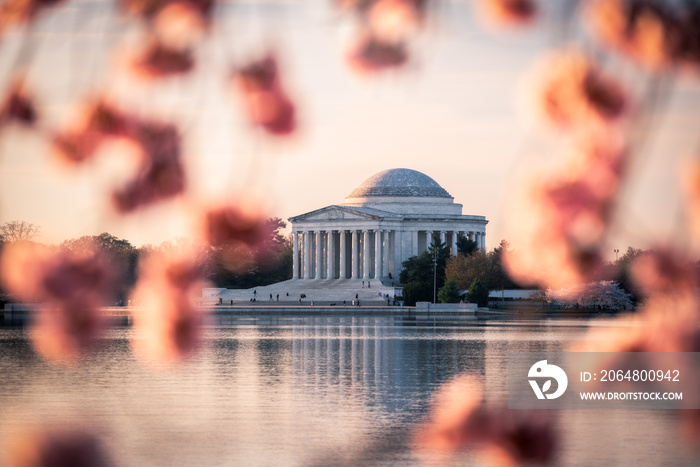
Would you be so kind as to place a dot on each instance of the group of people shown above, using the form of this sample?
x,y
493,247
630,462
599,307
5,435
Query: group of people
x,y
355,302
255,296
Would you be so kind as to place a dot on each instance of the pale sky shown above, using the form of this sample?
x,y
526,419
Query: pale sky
x,y
450,114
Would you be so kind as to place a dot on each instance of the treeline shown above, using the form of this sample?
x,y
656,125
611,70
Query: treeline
x,y
438,274
268,263
471,274
620,272
486,267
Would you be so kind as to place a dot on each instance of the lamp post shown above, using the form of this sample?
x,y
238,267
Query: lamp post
x,y
616,252
434,274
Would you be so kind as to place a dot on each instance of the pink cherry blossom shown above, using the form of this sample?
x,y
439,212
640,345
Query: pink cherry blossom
x,y
158,60
168,325
265,101
18,105
71,287
370,54
644,30
664,271
161,175
507,13
394,21
56,447
97,121
459,419
570,92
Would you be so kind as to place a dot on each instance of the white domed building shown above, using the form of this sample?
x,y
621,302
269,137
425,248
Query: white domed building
x,y
390,217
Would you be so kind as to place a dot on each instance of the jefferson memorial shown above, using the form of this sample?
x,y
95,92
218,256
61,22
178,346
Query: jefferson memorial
x,y
391,216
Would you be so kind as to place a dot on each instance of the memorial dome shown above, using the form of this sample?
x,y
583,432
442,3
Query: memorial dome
x,y
394,183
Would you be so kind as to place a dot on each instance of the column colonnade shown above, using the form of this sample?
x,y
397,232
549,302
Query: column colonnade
x,y
368,253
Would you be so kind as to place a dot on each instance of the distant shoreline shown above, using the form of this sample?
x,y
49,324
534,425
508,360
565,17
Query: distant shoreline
x,y
20,314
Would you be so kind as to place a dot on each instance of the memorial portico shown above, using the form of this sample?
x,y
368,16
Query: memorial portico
x,y
390,217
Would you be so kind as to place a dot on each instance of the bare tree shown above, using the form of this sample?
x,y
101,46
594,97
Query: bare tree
x,y
16,231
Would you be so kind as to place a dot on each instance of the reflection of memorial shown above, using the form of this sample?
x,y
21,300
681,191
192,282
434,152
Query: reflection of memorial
x,y
499,340
391,364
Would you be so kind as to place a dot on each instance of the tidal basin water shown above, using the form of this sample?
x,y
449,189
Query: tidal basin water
x,y
309,391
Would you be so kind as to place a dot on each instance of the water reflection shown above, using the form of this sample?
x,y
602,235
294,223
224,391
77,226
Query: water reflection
x,y
386,365
303,390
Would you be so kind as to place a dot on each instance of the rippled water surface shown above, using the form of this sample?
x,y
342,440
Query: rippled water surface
x,y
308,391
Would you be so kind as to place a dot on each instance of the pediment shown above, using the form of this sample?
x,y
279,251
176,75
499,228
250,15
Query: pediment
x,y
333,213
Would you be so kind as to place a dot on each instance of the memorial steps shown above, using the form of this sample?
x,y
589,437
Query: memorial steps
x,y
319,290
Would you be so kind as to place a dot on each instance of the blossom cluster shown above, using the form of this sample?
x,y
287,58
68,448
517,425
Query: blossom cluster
x,y
384,30
459,418
71,285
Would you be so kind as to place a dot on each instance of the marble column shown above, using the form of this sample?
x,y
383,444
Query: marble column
x,y
442,236
355,255
330,268
343,255
428,239
319,255
295,255
365,255
454,243
398,240
483,241
307,256
386,253
378,255
415,243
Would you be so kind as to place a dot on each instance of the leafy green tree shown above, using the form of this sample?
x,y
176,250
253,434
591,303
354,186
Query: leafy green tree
x,y
417,279
478,293
463,270
417,292
449,293
416,269
421,273
487,267
498,278
465,246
